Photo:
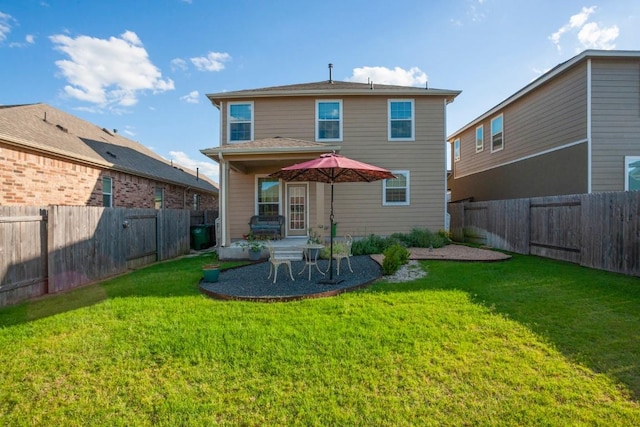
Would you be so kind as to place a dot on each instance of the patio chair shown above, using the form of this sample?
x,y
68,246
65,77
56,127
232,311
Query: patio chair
x,y
275,261
343,254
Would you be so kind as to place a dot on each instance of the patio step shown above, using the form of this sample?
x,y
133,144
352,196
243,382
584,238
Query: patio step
x,y
292,254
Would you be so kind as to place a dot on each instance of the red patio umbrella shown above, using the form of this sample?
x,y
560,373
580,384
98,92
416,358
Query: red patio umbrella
x,y
331,168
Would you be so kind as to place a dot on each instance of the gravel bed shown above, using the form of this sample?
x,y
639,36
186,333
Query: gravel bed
x,y
251,282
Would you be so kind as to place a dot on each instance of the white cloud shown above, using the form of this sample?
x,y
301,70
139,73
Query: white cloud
x,y
206,167
589,34
110,71
214,61
382,75
30,38
5,25
192,98
178,64
593,37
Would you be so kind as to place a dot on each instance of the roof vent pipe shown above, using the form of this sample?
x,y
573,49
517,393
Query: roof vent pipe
x,y
331,73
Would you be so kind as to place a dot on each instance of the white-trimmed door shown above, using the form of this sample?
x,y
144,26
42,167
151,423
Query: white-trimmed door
x,y
297,209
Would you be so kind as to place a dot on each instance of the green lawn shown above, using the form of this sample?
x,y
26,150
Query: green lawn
x,y
524,342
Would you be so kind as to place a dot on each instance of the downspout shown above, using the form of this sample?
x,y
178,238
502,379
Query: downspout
x,y
444,106
589,142
224,187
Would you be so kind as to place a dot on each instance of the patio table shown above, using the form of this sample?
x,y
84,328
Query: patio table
x,y
310,252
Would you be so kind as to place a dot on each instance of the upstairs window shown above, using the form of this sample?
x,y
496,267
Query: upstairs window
x,y
268,196
240,122
395,191
479,138
632,173
456,150
328,120
497,134
401,120
107,192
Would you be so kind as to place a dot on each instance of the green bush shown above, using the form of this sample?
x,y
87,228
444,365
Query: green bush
x,y
394,257
338,247
371,245
421,238
417,238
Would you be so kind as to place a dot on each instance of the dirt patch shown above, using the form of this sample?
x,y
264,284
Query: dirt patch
x,y
413,270
452,253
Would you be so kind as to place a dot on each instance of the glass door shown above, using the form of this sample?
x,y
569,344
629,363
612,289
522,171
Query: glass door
x,y
297,210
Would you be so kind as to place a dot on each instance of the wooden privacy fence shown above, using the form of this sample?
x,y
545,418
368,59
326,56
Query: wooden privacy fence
x,y
56,248
600,230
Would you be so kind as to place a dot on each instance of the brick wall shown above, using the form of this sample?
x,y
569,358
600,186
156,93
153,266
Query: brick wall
x,y
29,178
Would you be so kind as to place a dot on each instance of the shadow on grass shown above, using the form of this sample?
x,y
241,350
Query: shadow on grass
x,y
591,316
166,279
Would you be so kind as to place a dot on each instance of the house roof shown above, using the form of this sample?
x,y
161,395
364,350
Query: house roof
x,y
549,75
332,88
276,152
46,129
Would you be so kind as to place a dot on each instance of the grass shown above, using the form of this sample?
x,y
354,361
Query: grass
x,y
524,342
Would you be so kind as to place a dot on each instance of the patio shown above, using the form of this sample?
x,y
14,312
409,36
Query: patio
x,y
251,283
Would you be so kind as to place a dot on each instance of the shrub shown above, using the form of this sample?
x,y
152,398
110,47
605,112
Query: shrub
x,y
371,245
394,257
421,238
338,247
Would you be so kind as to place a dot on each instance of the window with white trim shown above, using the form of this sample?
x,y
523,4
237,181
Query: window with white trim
x,y
631,173
329,120
240,121
456,149
401,120
395,191
107,192
479,138
497,133
268,196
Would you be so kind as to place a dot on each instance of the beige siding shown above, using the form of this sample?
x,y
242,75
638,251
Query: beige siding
x,y
549,117
615,120
240,204
358,206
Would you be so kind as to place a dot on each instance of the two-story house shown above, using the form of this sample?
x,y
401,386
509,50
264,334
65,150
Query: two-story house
x,y
395,127
574,130
50,157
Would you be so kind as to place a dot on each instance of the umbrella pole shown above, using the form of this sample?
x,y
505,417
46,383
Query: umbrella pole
x,y
330,280
331,238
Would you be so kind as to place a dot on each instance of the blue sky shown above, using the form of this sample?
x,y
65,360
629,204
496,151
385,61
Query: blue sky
x,y
144,66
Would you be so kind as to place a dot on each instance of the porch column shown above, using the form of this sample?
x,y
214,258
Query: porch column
x,y
224,194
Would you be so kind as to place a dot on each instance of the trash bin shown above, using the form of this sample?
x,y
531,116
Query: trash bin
x,y
200,236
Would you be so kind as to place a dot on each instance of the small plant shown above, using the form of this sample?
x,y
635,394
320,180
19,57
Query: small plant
x,y
252,243
314,236
394,257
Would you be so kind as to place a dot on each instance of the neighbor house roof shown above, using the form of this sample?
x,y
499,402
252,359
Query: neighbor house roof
x,y
333,88
46,129
549,75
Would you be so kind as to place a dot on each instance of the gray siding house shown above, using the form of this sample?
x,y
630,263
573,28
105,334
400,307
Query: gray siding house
x,y
575,129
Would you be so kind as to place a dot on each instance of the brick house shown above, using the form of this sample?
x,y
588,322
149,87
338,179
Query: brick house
x,y
49,157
